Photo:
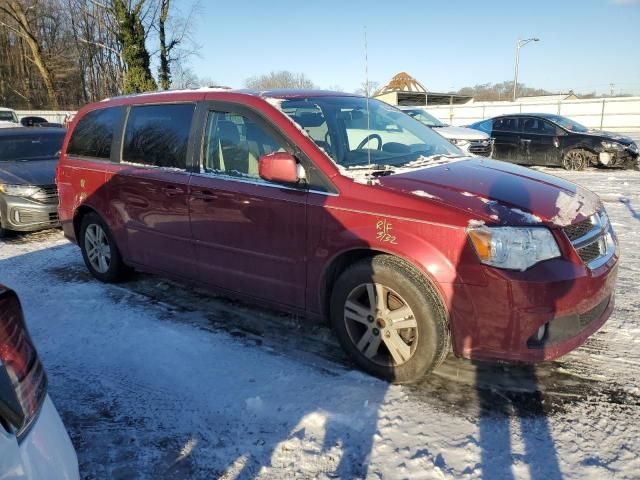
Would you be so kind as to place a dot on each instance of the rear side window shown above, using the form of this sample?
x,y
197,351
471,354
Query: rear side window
x,y
93,134
158,135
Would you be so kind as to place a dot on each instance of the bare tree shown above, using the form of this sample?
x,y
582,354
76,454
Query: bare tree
x,y
367,89
280,79
21,19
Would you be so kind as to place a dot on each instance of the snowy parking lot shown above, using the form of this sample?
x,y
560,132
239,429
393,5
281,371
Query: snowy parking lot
x,y
156,379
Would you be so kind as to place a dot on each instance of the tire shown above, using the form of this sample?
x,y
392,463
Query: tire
x,y
105,264
575,159
4,233
371,342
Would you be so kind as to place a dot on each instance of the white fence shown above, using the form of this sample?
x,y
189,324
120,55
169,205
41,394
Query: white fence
x,y
57,116
615,114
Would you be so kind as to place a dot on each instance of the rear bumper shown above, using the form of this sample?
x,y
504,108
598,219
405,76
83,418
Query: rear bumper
x,y
46,452
498,321
25,215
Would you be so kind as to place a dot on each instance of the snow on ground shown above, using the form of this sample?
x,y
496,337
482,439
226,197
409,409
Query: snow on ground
x,y
157,380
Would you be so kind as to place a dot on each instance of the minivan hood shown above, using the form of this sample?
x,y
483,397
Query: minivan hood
x,y
30,172
497,192
461,133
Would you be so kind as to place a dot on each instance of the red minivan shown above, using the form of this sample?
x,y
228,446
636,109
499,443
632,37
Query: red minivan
x,y
341,207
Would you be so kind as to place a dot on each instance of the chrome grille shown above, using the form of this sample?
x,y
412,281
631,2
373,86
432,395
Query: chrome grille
x,y
590,252
579,229
593,239
481,147
47,194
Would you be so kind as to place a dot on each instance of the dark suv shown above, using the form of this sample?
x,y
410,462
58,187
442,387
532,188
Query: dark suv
x,y
547,139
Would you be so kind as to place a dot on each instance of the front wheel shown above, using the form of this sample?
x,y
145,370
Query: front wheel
x,y
389,319
99,250
575,160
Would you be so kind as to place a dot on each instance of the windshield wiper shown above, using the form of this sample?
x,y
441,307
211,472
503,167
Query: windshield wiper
x,y
438,159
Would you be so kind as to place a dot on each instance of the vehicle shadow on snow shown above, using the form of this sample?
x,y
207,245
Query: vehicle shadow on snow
x,y
627,203
121,425
521,402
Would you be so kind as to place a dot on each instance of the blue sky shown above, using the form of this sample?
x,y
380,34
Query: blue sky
x,y
585,45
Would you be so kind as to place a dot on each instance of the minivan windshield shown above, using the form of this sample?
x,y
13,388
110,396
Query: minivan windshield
x,y
30,147
569,124
425,118
354,136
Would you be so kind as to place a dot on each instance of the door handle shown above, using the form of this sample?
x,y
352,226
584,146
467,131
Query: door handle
x,y
172,191
205,195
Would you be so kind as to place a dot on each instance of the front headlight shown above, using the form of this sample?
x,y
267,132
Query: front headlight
x,y
612,145
19,190
459,142
513,248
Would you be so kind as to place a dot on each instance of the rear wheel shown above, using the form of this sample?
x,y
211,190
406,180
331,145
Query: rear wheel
x,y
389,319
99,250
575,160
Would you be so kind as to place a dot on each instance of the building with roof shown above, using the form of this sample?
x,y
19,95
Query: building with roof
x,y
403,89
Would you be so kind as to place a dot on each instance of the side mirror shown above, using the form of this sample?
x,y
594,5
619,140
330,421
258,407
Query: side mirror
x,y
279,167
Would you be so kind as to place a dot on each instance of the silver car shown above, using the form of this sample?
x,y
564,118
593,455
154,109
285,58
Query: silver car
x,y
467,139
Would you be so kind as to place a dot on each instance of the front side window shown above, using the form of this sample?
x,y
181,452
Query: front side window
x,y
158,135
355,132
537,126
233,144
93,134
507,124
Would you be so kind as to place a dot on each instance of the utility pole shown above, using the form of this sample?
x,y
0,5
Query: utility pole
x,y
612,86
519,45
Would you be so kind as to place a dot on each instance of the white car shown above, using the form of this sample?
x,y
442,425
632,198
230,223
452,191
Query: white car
x,y
34,445
8,118
467,139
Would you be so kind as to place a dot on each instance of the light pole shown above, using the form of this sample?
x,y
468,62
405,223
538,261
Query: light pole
x,y
519,45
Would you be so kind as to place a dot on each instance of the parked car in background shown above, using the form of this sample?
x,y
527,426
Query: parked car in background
x,y
554,140
341,207
28,193
34,445
467,139
8,118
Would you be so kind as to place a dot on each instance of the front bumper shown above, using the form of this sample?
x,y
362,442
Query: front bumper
x,y
25,215
618,158
499,320
45,453
482,148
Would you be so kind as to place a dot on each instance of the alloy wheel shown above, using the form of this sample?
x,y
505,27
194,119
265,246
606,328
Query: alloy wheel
x,y
97,247
381,324
574,160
